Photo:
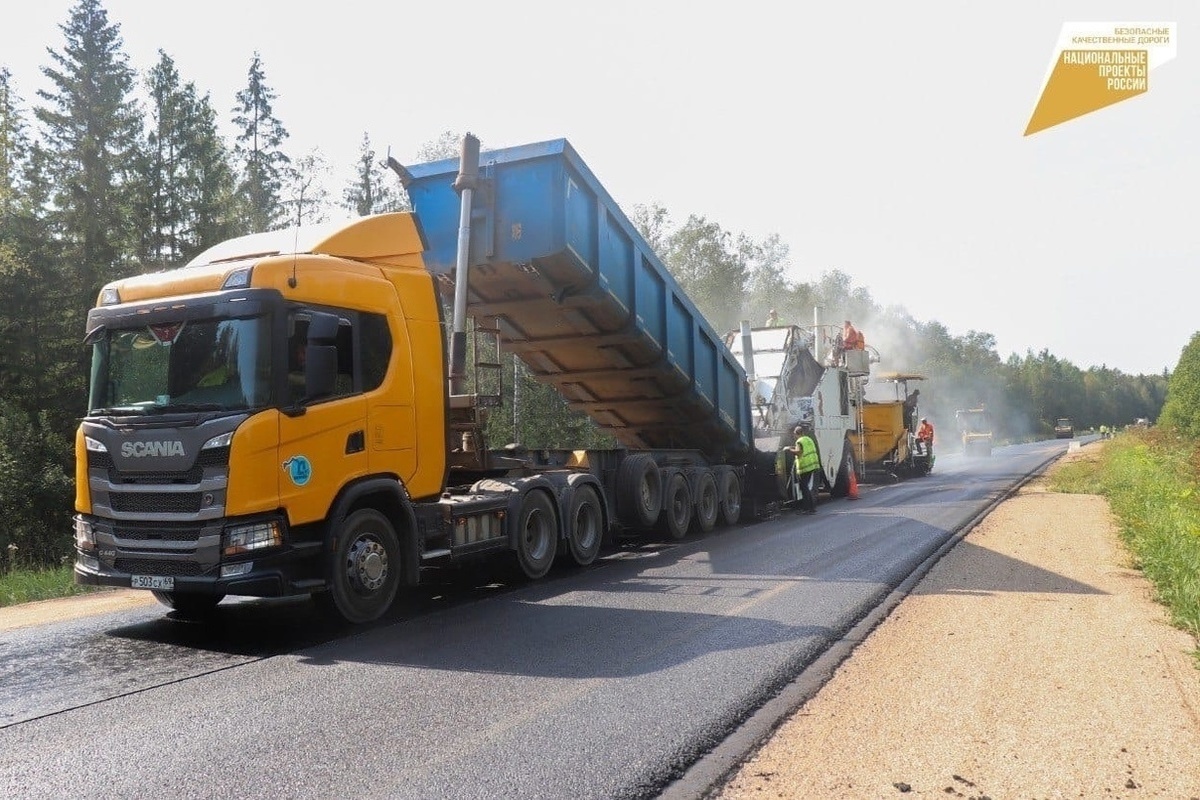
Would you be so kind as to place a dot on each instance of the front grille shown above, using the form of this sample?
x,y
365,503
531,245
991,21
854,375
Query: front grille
x,y
148,566
189,478
155,535
156,502
214,457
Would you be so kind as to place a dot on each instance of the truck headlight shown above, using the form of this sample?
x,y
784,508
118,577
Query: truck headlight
x,y
218,441
248,538
85,537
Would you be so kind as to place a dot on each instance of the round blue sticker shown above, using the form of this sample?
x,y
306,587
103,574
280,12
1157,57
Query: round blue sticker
x,y
299,469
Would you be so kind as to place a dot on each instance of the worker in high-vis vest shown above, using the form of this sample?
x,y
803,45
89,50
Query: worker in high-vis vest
x,y
806,464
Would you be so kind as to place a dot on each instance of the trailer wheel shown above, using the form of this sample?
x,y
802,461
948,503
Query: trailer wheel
x,y
731,498
188,604
677,506
585,526
708,502
537,535
366,567
639,491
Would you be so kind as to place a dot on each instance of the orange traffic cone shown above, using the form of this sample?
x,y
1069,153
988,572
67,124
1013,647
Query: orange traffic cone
x,y
853,493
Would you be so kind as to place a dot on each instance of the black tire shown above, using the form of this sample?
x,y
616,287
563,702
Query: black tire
x,y
708,502
841,483
677,506
730,491
639,491
536,535
188,604
585,526
365,567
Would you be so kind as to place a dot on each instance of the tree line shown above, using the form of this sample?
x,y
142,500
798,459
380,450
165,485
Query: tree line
x,y
111,172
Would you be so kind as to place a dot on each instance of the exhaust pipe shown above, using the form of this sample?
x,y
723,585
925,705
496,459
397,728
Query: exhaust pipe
x,y
464,184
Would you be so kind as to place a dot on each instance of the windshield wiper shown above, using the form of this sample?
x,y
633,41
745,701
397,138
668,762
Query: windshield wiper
x,y
171,408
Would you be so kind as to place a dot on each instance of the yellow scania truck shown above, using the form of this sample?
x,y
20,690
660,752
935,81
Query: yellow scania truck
x,y
294,412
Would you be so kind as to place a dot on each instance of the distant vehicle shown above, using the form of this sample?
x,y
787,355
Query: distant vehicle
x,y
975,431
1064,428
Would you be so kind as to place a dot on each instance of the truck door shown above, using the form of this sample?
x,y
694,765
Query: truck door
x,y
322,439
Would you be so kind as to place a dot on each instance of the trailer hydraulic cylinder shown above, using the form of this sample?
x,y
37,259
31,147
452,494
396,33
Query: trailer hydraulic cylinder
x,y
464,184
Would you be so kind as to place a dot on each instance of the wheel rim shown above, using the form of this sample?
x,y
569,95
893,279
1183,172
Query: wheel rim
x,y
534,536
681,505
367,565
708,503
646,493
733,498
587,526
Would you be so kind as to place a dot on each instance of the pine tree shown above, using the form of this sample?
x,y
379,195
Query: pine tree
x,y
13,143
210,184
91,127
186,177
257,150
161,166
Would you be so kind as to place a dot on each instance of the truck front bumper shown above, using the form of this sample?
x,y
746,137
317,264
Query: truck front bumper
x,y
193,559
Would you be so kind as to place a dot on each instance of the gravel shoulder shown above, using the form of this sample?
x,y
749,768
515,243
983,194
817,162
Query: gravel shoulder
x,y
1031,661
63,609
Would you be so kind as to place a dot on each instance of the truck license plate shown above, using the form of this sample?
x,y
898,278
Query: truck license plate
x,y
166,584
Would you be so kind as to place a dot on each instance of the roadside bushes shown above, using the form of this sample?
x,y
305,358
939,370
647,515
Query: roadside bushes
x,y
36,491
1181,410
1152,481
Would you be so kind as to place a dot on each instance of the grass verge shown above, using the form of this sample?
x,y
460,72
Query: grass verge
x,y
26,585
1152,481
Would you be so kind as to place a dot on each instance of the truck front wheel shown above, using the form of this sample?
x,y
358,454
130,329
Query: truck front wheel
x,y
366,567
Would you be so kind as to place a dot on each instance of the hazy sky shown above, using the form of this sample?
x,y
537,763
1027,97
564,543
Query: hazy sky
x,y
882,139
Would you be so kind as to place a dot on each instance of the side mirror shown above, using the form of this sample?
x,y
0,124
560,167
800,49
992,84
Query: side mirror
x,y
321,358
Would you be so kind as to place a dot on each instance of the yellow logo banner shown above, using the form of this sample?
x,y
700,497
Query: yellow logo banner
x,y
1095,66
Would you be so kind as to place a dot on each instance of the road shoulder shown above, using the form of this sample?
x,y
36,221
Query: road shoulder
x,y
1030,661
62,609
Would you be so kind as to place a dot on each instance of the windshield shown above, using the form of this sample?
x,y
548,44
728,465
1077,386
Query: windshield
x,y
974,422
194,365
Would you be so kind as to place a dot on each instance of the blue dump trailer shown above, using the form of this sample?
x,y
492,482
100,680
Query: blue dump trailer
x,y
580,297
288,405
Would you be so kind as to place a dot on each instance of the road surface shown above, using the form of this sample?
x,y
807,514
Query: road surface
x,y
608,682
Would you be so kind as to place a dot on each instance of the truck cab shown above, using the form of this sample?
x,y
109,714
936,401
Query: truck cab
x,y
1064,428
236,403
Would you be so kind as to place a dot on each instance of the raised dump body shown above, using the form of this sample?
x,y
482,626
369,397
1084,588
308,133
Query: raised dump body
x,y
579,296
